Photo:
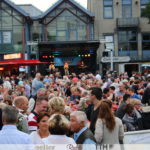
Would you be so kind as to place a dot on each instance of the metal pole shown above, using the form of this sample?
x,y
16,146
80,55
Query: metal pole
x,y
111,59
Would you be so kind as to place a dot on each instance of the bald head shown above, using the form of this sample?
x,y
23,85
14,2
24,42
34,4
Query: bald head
x,y
21,102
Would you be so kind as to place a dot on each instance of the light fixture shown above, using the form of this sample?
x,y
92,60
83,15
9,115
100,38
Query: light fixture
x,y
136,2
89,55
117,3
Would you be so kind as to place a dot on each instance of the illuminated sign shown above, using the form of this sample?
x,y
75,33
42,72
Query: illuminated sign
x,y
12,56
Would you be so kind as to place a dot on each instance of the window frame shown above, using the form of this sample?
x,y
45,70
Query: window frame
x,y
129,5
106,6
127,41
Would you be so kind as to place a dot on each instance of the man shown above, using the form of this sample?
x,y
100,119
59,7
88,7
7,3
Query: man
x,y
9,133
21,103
36,84
96,95
40,107
146,95
82,135
132,93
121,110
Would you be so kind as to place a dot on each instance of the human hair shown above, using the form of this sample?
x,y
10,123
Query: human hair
x,y
129,109
106,90
41,116
132,90
41,92
57,104
126,97
19,100
134,101
97,92
7,100
106,114
112,88
9,115
58,124
80,116
108,102
41,98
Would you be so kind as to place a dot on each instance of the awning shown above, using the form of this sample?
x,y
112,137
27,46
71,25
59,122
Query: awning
x,y
21,62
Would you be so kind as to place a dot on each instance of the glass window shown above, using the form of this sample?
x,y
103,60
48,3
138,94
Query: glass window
x,y
109,42
72,35
143,5
126,8
146,41
17,40
61,35
7,37
108,9
127,40
67,27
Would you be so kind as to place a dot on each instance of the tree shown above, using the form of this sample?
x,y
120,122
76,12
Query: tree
x,y
146,12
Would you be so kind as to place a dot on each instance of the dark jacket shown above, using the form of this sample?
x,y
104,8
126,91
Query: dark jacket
x,y
87,134
146,96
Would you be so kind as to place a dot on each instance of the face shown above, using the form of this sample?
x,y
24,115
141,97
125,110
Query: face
x,y
92,97
42,106
137,106
25,105
75,125
43,124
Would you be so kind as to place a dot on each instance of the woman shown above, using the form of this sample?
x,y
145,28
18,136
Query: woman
x,y
59,126
39,136
109,129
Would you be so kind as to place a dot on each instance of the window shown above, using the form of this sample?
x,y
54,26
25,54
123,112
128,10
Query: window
x,y
146,41
67,27
127,40
109,42
126,8
5,37
143,4
108,9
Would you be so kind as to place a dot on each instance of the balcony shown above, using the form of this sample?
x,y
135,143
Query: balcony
x,y
127,22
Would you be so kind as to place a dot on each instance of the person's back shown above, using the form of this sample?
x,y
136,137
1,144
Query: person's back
x,y
10,135
121,110
107,137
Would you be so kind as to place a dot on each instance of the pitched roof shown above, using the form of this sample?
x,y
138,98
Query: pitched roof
x,y
17,8
31,9
71,1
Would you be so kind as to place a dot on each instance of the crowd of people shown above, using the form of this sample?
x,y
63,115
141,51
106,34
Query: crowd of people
x,y
73,109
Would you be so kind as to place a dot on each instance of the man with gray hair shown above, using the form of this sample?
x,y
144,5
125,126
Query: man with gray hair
x,y
82,135
9,133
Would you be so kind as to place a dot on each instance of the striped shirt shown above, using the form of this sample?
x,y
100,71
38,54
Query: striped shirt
x,y
32,121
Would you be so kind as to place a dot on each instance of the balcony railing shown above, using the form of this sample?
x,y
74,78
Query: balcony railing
x,y
127,22
134,55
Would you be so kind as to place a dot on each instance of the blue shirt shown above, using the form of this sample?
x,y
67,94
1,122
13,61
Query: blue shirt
x,y
136,96
86,143
11,135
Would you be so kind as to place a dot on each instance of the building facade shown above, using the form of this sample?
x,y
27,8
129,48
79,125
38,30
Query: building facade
x,y
125,31
64,33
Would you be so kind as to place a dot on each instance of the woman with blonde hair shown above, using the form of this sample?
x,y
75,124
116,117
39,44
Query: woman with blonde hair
x,y
59,126
109,129
56,105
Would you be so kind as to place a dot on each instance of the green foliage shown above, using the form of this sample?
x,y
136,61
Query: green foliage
x,y
146,12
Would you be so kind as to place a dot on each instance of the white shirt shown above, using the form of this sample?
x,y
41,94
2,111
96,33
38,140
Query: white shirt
x,y
36,139
60,142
